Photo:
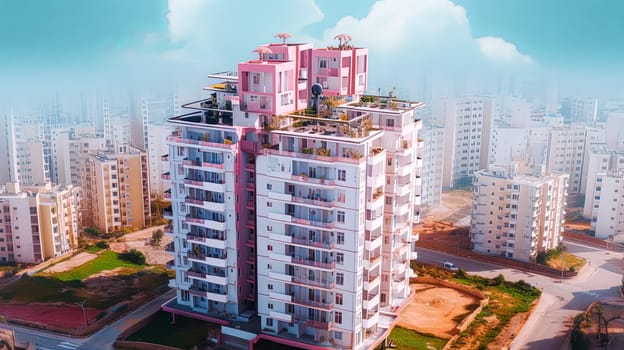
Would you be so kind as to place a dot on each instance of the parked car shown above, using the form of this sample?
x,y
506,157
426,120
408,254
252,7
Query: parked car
x,y
450,266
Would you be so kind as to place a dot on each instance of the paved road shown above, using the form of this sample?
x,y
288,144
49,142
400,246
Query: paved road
x,y
102,340
547,326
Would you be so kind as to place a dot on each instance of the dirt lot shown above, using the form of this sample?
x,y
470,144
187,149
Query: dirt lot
x,y
455,207
436,310
141,240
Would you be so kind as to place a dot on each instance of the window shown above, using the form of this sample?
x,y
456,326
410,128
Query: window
x,y
269,204
270,306
340,278
338,335
269,228
339,298
338,317
269,322
270,287
323,63
342,175
340,258
340,238
341,217
390,123
269,186
269,247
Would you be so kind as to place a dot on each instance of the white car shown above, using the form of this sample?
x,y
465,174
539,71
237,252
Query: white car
x,y
450,266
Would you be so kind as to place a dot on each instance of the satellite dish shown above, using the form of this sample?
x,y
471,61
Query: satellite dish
x,y
317,91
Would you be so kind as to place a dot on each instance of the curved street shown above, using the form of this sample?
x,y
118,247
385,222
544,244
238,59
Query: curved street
x,y
561,300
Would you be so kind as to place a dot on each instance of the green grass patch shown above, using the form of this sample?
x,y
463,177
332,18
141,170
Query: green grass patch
x,y
185,333
408,339
40,289
108,260
93,249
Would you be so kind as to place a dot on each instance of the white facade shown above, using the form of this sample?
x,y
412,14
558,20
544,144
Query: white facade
x,y
608,209
614,131
467,122
158,164
566,152
517,216
433,164
598,163
507,143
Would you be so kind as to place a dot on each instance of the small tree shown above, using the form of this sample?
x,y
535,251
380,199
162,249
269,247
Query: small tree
x,y
157,237
133,256
93,231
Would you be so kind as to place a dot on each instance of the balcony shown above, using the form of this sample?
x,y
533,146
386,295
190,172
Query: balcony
x,y
305,262
373,244
249,146
280,316
320,305
167,194
369,264
214,241
320,284
373,224
166,176
202,165
370,301
213,206
215,278
206,185
304,241
399,268
170,264
164,158
372,282
179,141
351,160
218,261
370,320
318,324
170,248
313,180
213,294
320,202
212,224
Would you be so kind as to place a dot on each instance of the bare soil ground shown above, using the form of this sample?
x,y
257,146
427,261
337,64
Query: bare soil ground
x,y
455,207
436,310
141,240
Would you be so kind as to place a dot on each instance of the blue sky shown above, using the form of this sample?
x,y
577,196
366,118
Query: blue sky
x,y
72,43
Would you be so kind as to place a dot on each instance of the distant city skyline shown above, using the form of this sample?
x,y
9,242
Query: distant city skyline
x,y
69,45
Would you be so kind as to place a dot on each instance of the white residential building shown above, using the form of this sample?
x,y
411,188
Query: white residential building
x,y
607,218
514,215
599,162
507,143
158,163
433,165
467,123
304,218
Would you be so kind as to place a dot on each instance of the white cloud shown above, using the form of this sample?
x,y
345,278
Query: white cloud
x,y
407,39
499,50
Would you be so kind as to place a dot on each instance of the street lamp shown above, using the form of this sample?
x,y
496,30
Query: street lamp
x,y
84,314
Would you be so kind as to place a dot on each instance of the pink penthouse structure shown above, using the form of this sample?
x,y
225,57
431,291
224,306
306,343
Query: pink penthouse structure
x,y
293,197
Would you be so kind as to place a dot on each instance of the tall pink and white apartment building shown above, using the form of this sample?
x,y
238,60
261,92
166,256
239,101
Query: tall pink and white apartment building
x,y
293,223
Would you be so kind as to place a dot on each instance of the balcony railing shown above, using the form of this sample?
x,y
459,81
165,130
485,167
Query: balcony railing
x,y
305,241
352,160
203,164
320,201
200,143
313,180
313,223
314,263
328,284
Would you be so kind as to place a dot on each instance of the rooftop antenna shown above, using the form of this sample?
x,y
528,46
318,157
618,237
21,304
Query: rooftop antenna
x,y
283,36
